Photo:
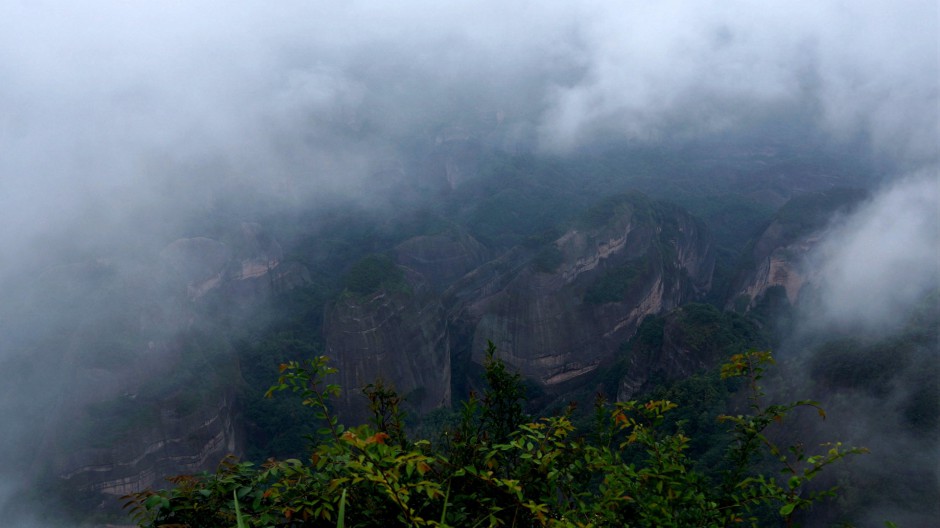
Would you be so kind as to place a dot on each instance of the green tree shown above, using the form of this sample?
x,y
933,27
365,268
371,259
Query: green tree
x,y
499,467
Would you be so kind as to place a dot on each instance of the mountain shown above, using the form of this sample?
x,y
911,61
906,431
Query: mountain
x,y
777,259
145,378
559,311
556,310
680,343
394,331
159,356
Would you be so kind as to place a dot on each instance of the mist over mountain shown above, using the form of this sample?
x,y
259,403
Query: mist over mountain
x,y
876,288
149,104
862,339
174,174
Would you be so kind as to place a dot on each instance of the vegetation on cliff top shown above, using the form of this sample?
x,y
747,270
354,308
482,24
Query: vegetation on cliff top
x,y
374,272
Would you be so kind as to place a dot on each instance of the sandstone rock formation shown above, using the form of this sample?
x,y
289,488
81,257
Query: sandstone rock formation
x,y
443,258
777,258
685,341
144,387
560,313
398,336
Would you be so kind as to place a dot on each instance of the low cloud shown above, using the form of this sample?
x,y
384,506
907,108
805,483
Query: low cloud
x,y
862,68
107,107
876,265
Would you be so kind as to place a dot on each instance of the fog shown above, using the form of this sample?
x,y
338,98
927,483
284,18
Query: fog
x,y
105,102
119,120
875,266
859,346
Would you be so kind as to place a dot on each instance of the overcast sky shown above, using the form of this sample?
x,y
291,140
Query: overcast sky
x,y
100,101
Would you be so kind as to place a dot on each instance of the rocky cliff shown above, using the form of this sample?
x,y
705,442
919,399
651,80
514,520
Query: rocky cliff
x,y
145,343
245,269
441,258
680,343
776,258
396,333
559,312
777,262
144,382
127,427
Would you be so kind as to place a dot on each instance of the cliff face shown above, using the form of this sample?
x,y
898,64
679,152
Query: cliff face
x,y
777,257
680,343
125,442
555,312
560,312
441,259
778,262
398,335
244,270
145,388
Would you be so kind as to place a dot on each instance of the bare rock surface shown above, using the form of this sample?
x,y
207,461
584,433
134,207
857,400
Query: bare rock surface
x,y
398,336
562,313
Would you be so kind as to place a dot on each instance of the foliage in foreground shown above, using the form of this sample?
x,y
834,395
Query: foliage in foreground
x,y
495,467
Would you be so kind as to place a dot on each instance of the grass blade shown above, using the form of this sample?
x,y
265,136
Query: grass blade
x,y
446,500
341,521
238,512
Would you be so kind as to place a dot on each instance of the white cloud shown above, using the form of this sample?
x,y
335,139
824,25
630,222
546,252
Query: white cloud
x,y
876,265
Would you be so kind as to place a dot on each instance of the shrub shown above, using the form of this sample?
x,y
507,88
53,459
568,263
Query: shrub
x,y
498,467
